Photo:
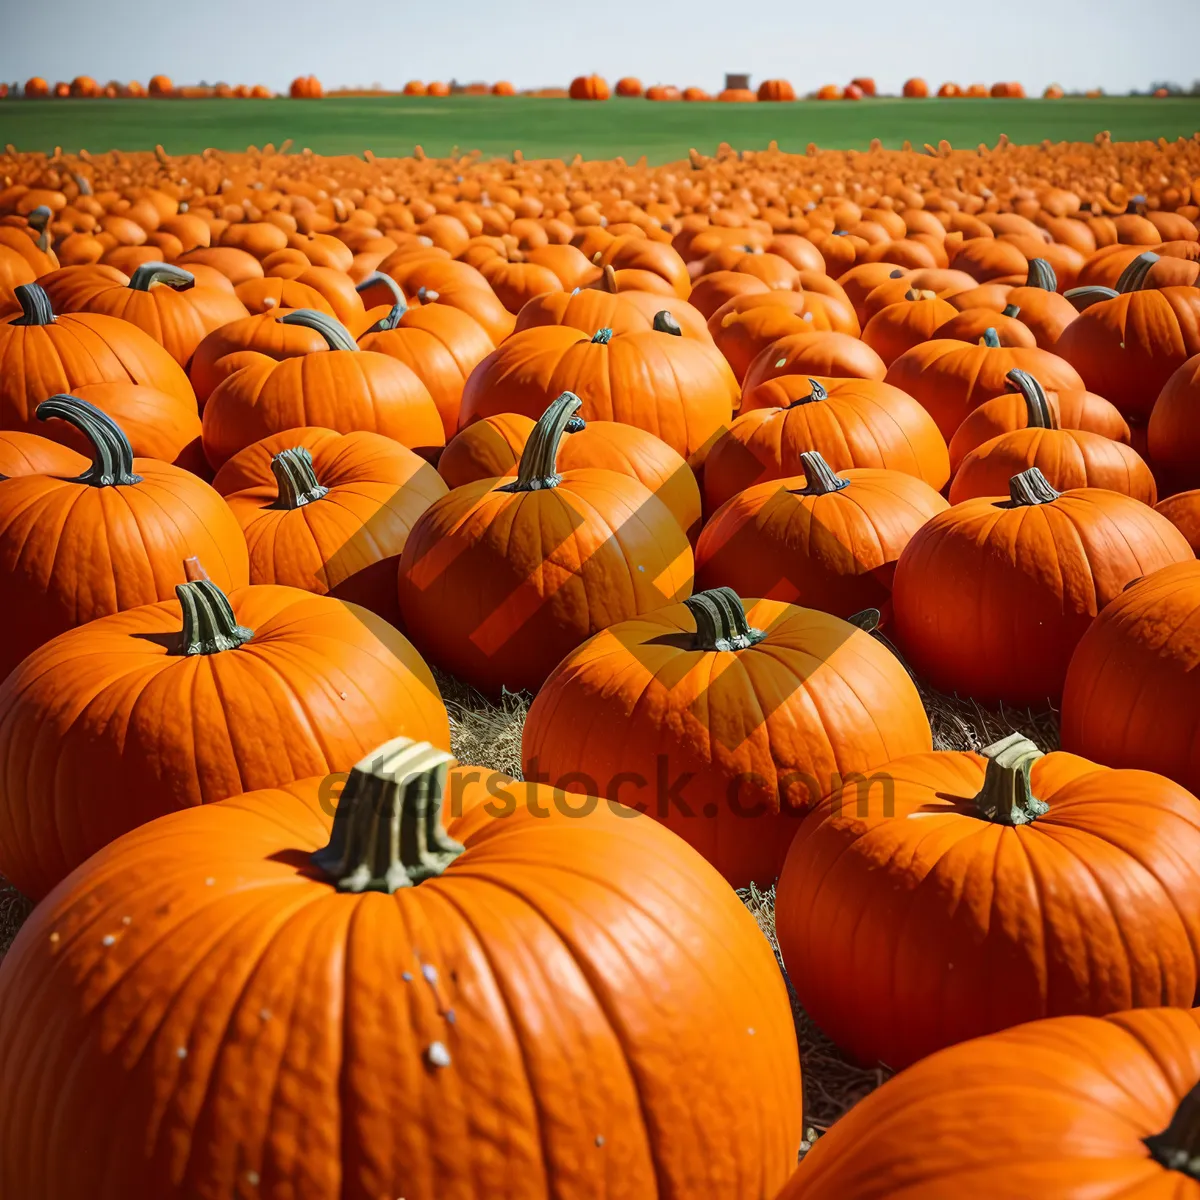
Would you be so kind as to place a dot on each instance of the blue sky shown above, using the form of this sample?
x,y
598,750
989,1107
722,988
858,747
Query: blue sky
x,y
1108,43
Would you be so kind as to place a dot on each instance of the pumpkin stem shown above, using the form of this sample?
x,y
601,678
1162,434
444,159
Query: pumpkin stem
x,y
112,455
538,468
427,295
721,621
664,322
36,308
336,335
990,338
912,294
1085,297
609,278
1029,488
1041,275
1040,413
815,395
390,320
1134,277
387,832
148,274
868,620
209,626
896,274
385,281
298,483
1178,1146
820,478
83,184
1006,797
1011,310
38,220
602,337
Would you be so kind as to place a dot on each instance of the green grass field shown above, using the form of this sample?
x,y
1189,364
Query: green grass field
x,y
392,125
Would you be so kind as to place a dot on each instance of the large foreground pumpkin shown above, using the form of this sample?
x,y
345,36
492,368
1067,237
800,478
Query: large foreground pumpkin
x,y
1132,696
501,578
723,719
273,1023
955,894
1070,1108
991,596
189,701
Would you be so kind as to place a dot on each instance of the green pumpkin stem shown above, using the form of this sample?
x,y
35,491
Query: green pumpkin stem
x,y
1041,275
384,281
1040,413
816,394
1084,297
39,220
538,468
721,621
820,478
36,308
148,274
83,184
297,481
1029,488
991,339
112,455
336,335
665,322
387,832
868,620
1006,797
602,337
1178,1146
209,626
1011,311
390,320
1136,276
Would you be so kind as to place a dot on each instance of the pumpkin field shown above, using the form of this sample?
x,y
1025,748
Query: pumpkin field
x,y
667,671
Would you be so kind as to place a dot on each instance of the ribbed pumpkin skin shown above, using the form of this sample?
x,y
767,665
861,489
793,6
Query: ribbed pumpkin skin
x,y
1172,440
899,327
263,333
157,424
486,449
825,355
347,543
862,423
1069,458
907,931
989,601
498,586
38,361
306,1018
344,390
70,552
1057,1109
29,454
817,699
673,387
1183,511
1131,697
622,312
104,728
950,378
835,552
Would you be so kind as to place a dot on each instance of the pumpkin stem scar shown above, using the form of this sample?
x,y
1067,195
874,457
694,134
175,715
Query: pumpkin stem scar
x,y
1006,797
387,832
1029,488
36,308
296,478
538,468
1039,414
148,274
1041,275
1178,1146
209,626
721,621
820,478
336,335
112,455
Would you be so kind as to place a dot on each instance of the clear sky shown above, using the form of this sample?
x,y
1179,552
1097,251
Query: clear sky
x,y
1114,44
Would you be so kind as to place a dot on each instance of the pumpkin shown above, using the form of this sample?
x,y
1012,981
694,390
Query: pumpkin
x,y
722,719
1171,437
1068,458
589,87
519,899
341,388
1130,695
1040,307
949,378
823,539
1072,408
501,578
236,265
439,344
1082,1106
329,512
970,324
188,701
114,537
991,597
971,852
14,270
1127,347
638,261
28,454
493,447
851,422
42,354
1182,510
898,327
590,309
272,293
990,259
676,388
164,302
480,303
832,355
